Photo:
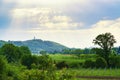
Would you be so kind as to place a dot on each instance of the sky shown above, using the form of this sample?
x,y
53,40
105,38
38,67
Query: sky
x,y
73,23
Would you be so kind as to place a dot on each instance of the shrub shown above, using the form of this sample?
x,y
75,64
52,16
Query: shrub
x,y
74,65
45,75
45,62
27,60
114,61
89,64
11,52
3,68
61,65
100,62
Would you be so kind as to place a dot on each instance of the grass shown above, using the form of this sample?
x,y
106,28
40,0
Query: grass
x,y
83,71
95,72
71,58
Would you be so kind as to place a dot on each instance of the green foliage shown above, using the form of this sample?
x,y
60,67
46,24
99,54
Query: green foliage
x,y
98,51
37,45
11,52
106,42
24,66
61,65
3,68
28,60
25,50
45,75
46,63
40,62
95,72
13,71
67,51
89,64
88,56
114,61
75,65
100,63
77,51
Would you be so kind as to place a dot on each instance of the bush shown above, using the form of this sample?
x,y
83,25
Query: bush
x,y
89,64
45,75
114,62
27,60
3,68
61,65
13,71
74,65
11,52
45,62
100,63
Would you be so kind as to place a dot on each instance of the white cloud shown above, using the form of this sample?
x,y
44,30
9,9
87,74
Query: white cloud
x,y
47,20
72,38
107,24
112,26
42,19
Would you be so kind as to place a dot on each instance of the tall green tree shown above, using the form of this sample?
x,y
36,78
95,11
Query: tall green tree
x,y
11,52
25,50
106,42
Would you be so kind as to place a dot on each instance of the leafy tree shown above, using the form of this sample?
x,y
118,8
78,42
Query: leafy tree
x,y
86,51
61,65
100,63
3,68
89,64
106,42
28,60
98,51
78,51
11,52
45,62
25,50
114,61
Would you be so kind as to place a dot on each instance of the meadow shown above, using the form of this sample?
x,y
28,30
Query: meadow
x,y
79,71
71,58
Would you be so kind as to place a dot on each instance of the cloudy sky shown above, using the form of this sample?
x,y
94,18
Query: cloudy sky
x,y
74,23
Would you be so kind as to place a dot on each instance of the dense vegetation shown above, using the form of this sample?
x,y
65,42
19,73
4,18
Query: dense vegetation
x,y
17,62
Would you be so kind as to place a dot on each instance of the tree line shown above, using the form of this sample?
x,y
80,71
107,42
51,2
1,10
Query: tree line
x,y
17,63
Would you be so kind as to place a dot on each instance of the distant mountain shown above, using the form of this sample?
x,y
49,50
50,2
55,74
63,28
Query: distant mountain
x,y
37,45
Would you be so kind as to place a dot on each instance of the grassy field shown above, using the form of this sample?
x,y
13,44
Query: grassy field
x,y
82,71
95,72
72,58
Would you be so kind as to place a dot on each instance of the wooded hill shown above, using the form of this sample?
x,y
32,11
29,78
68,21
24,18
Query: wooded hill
x,y
37,45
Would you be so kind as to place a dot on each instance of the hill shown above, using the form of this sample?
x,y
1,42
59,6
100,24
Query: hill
x,y
37,45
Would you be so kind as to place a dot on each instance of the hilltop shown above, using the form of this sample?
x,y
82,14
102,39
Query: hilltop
x,y
37,45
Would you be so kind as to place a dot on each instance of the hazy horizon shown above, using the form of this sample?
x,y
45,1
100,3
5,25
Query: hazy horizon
x,y
71,23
